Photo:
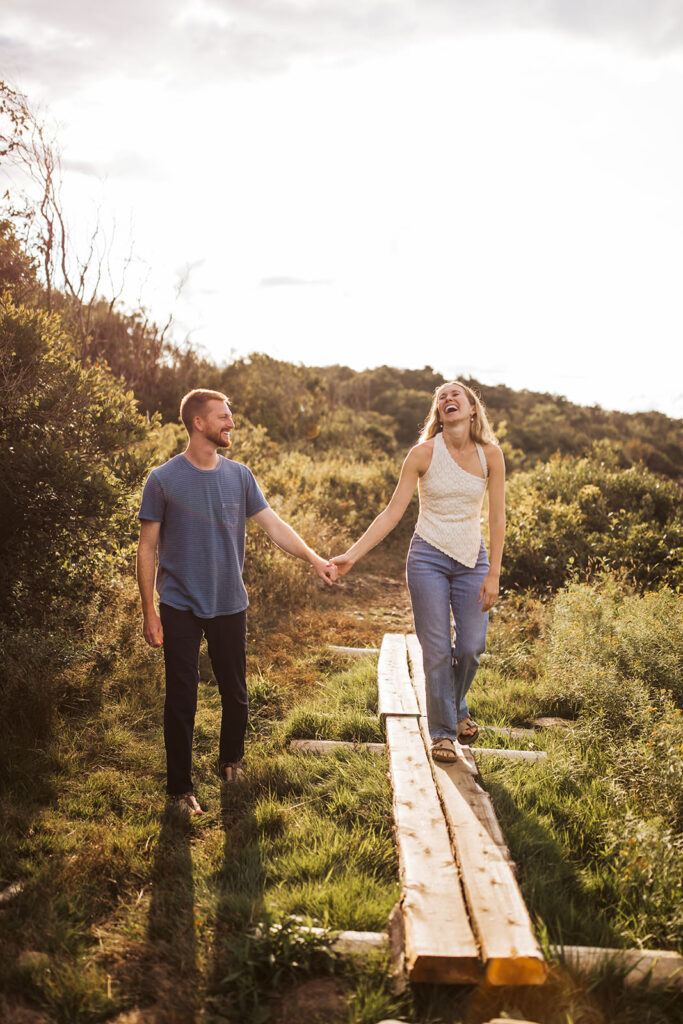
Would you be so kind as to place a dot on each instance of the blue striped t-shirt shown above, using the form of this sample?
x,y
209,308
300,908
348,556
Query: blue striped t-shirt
x,y
203,514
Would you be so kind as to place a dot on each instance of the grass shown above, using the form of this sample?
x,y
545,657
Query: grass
x,y
126,904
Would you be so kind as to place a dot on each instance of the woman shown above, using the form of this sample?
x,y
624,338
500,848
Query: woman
x,y
448,567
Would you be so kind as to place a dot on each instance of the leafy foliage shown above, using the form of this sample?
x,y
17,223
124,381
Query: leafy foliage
x,y
573,514
66,471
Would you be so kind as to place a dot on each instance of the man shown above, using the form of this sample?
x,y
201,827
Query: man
x,y
194,509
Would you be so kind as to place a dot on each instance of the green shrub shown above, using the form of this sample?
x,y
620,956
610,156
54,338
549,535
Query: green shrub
x,y
608,646
571,514
66,472
613,657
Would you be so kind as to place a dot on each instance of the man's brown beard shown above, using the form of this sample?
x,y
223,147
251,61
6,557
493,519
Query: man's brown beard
x,y
217,439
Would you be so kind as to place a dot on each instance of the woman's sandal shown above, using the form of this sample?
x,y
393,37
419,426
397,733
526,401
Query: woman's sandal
x,y
468,731
443,750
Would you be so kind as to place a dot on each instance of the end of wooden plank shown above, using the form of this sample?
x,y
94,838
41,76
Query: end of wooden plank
x,y
443,970
521,970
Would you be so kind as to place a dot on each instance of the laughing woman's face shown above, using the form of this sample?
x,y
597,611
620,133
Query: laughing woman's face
x,y
453,404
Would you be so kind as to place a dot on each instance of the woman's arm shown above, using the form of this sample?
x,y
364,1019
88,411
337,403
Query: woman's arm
x,y
289,540
490,587
416,463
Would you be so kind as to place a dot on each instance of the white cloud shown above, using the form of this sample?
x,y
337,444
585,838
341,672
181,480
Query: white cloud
x,y
60,47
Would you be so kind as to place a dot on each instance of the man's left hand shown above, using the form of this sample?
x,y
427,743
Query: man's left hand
x,y
325,570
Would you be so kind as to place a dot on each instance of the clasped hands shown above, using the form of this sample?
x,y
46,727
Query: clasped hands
x,y
333,569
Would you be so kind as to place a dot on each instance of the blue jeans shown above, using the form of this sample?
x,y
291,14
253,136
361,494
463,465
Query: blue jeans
x,y
437,584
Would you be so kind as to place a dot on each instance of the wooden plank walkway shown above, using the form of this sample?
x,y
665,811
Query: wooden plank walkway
x,y
396,694
439,943
508,953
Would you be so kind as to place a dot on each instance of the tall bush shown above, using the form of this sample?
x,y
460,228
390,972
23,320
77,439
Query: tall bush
x,y
571,513
67,472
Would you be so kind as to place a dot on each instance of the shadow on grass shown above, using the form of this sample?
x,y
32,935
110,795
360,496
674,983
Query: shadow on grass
x,y
239,886
553,888
175,978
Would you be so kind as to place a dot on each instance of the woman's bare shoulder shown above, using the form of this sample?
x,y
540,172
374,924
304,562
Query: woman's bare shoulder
x,y
494,455
420,455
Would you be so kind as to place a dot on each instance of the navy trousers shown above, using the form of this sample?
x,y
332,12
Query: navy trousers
x,y
226,637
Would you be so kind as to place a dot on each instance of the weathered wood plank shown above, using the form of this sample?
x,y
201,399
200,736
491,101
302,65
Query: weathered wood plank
x,y
329,746
501,920
511,755
439,942
417,672
658,966
353,652
499,915
511,731
396,694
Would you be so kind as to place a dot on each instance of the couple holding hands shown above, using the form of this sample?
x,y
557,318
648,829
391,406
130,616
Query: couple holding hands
x,y
192,519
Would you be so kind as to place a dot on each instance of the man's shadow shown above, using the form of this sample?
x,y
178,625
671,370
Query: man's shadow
x,y
239,887
174,980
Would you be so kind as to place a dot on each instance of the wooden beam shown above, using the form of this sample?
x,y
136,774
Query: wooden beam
x,y
512,732
511,755
439,943
396,694
499,915
358,943
330,746
357,652
417,672
657,966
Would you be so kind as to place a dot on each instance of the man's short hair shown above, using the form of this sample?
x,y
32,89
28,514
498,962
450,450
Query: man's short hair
x,y
194,403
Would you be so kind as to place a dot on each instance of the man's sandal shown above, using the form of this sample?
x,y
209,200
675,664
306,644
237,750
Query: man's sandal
x,y
443,750
231,771
468,731
187,802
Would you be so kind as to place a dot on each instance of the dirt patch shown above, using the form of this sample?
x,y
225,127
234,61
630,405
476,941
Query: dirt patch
x,y
318,1001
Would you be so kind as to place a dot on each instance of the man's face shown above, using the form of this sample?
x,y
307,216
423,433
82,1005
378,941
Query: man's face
x,y
216,423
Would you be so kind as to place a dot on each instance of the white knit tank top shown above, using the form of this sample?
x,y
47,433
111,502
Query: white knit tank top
x,y
450,505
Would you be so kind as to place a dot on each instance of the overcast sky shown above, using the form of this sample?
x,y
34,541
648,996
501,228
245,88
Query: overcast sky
x,y
491,187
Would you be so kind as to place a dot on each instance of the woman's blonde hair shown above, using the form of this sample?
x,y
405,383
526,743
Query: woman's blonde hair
x,y
480,428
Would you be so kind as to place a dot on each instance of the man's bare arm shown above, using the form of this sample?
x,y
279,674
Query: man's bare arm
x,y
146,575
289,540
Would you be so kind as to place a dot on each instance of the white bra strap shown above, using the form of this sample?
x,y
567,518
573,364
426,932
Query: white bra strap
x,y
482,459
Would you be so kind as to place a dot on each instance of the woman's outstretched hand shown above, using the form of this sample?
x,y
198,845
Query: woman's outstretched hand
x,y
489,591
342,563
